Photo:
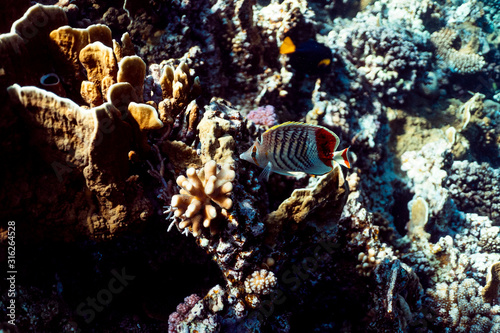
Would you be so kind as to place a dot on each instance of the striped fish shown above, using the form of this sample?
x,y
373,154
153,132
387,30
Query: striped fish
x,y
292,148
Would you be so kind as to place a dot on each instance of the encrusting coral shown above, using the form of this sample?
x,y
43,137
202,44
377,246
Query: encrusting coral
x,y
202,187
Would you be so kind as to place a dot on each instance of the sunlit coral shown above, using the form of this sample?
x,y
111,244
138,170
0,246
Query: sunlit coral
x,y
202,188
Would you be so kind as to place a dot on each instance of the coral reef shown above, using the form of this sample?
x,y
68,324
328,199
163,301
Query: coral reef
x,y
386,59
491,289
473,188
263,115
181,312
122,120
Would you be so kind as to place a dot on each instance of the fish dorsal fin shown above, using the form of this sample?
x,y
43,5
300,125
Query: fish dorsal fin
x,y
286,124
298,123
288,46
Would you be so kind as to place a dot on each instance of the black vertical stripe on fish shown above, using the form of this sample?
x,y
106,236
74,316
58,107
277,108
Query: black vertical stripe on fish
x,y
277,148
300,143
296,146
302,155
285,157
291,149
307,149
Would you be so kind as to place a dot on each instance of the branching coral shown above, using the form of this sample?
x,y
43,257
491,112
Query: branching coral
x,y
181,312
178,88
198,191
263,115
461,307
388,60
474,188
260,282
463,60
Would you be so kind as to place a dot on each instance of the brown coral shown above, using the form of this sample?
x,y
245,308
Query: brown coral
x,y
198,191
311,203
491,290
145,115
132,69
178,89
100,64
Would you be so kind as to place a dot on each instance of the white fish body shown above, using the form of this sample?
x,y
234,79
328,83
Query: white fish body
x,y
293,148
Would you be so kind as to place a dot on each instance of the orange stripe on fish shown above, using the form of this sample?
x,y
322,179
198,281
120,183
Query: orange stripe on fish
x,y
346,158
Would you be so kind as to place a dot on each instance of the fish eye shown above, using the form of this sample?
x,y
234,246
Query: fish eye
x,y
254,152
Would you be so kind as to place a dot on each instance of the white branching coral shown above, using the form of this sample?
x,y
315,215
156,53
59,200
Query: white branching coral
x,y
260,282
203,187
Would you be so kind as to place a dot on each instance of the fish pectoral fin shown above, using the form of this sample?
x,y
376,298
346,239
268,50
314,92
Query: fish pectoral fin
x,y
266,172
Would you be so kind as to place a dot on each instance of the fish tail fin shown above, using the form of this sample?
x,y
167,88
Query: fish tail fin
x,y
342,158
288,46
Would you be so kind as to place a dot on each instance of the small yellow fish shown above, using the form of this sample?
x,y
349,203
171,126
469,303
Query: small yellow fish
x,y
293,147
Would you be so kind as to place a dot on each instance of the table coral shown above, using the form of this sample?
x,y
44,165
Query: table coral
x,y
202,187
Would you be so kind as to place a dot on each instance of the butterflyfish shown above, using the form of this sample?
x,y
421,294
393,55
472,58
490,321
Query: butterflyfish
x,y
309,57
293,148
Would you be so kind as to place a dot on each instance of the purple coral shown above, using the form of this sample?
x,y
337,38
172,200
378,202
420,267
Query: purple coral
x,y
182,311
263,115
